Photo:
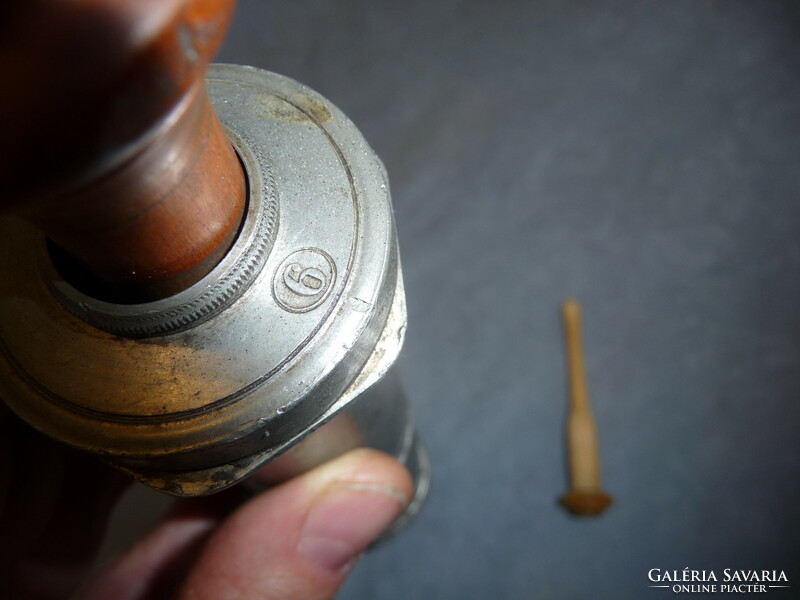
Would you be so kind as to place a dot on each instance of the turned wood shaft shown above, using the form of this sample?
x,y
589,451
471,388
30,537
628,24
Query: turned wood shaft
x,y
161,222
110,145
584,463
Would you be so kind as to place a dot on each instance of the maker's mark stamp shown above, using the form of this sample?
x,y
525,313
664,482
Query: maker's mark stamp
x,y
303,280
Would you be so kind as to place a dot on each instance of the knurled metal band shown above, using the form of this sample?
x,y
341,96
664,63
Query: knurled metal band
x,y
212,294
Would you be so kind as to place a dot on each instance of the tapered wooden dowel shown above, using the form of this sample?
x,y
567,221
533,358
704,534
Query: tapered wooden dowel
x,y
585,496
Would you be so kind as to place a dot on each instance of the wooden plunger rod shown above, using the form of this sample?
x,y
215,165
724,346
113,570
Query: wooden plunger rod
x,y
585,496
118,156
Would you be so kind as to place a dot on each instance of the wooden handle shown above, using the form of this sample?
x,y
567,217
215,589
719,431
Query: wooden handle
x,y
579,395
585,496
110,145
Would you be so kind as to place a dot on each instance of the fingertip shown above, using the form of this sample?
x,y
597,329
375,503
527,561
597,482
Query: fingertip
x,y
364,466
344,519
299,539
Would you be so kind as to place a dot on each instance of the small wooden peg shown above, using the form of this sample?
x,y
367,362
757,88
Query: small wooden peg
x,y
585,497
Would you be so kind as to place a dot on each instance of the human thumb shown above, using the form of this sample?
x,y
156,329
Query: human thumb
x,y
300,539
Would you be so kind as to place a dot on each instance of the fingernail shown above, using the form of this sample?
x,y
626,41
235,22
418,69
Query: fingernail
x,y
345,519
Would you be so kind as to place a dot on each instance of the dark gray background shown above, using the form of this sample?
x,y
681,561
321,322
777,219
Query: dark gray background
x,y
641,156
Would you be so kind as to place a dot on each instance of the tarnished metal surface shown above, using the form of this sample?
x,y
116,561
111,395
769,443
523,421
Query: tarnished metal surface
x,y
307,311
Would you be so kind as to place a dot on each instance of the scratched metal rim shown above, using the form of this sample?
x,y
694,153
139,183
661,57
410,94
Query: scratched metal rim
x,y
63,375
214,292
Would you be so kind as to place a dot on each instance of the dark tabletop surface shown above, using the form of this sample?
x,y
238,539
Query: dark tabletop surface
x,y
640,156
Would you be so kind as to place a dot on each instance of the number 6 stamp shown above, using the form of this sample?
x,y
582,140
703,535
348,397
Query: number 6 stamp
x,y
303,280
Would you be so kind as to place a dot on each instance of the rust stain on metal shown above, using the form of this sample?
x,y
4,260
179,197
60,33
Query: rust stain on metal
x,y
297,109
